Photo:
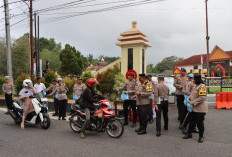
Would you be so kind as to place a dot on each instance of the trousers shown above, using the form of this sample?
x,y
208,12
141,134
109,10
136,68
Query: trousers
x,y
62,108
87,120
180,104
132,104
198,118
56,105
163,107
9,101
143,111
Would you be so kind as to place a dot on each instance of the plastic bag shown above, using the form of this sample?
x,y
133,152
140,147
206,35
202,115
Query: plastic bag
x,y
57,96
75,97
189,107
185,100
124,96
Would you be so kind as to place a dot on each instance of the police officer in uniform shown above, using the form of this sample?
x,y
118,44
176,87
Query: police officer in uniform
x,y
179,83
130,90
8,90
187,90
54,88
200,107
161,95
79,87
143,93
150,116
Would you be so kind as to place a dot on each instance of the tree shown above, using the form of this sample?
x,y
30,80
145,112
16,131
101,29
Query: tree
x,y
72,61
108,59
49,44
20,56
3,69
53,59
86,76
166,64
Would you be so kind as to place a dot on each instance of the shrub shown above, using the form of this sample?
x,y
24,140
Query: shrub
x,y
2,80
70,84
49,76
19,81
86,76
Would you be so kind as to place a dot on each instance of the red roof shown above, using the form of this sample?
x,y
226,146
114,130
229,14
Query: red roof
x,y
193,60
223,59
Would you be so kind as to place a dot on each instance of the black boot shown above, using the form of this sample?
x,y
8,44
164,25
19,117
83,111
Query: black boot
x,y
165,127
158,133
141,132
187,136
201,139
184,130
138,130
125,123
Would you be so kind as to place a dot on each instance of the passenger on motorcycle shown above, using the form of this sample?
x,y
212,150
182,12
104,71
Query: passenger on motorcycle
x,y
88,98
26,103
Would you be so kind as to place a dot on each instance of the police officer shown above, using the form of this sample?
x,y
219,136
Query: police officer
x,y
54,88
130,90
179,83
150,116
79,87
8,90
143,93
161,95
200,107
187,90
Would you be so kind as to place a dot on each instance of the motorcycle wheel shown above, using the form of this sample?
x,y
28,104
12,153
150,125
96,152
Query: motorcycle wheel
x,y
75,128
46,122
114,128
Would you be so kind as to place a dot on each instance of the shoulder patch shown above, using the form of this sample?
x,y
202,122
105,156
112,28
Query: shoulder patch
x,y
202,91
149,87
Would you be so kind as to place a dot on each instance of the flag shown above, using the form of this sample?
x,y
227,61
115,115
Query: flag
x,y
201,59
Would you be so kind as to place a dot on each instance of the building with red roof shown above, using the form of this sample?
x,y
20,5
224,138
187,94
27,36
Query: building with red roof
x,y
220,63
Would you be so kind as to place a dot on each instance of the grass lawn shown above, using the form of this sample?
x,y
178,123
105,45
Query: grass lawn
x,y
214,90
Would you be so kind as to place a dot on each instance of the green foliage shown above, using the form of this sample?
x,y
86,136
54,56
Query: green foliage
x,y
49,44
20,56
2,80
3,57
166,64
72,61
19,81
86,76
119,81
70,84
107,80
108,59
94,61
49,76
53,59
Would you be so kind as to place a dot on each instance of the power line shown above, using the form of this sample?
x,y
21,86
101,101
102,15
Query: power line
x,y
104,9
11,3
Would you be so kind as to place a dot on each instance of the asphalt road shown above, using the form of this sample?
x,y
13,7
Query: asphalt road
x,y
60,141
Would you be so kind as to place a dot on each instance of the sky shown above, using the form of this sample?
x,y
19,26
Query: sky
x,y
173,27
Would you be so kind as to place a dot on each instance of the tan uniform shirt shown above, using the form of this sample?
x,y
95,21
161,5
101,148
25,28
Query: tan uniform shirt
x,y
188,88
8,88
145,93
78,89
161,91
53,89
62,91
179,83
130,87
198,97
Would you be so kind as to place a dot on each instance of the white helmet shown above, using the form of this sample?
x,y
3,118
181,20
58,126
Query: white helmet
x,y
60,79
27,82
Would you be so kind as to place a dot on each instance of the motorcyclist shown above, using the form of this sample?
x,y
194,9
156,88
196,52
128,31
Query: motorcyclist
x,y
26,103
88,97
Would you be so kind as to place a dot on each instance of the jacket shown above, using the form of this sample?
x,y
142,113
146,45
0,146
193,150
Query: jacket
x,y
198,97
145,93
179,82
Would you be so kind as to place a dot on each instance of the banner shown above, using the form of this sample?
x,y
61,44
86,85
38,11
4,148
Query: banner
x,y
168,81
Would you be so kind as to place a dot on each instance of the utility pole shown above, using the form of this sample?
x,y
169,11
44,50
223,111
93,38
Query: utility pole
x,y
35,49
207,38
31,38
38,55
8,41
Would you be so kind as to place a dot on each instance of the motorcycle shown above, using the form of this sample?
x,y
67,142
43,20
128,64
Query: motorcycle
x,y
103,119
40,114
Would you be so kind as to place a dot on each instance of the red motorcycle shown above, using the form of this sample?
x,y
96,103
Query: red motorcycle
x,y
103,119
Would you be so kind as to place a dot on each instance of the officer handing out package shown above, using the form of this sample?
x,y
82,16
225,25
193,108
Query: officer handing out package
x,y
78,88
161,95
200,107
130,90
143,93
